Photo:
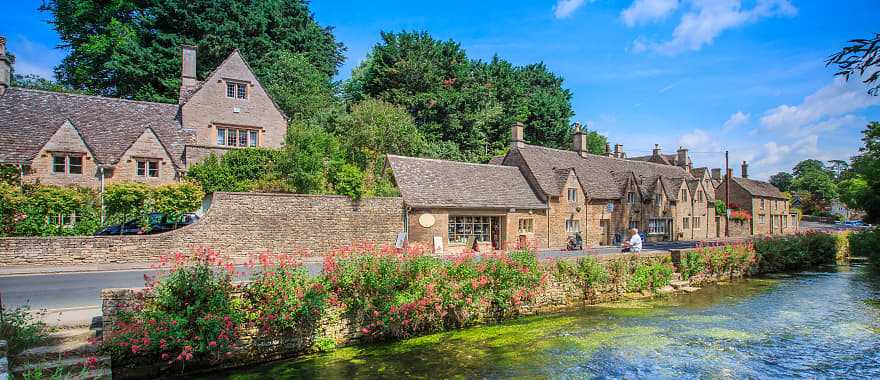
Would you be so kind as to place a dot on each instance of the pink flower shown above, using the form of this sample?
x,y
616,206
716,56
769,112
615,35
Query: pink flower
x,y
212,344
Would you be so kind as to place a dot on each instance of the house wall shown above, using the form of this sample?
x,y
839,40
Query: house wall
x,y
509,223
597,214
65,139
146,146
210,107
561,210
236,224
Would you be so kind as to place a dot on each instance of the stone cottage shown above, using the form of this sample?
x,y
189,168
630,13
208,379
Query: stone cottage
x,y
769,208
69,139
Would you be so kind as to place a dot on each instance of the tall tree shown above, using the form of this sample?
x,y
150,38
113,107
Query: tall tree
x,y
782,181
867,166
130,49
470,104
807,166
861,57
299,88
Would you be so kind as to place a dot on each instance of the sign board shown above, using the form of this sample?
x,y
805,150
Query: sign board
x,y
426,220
401,239
438,244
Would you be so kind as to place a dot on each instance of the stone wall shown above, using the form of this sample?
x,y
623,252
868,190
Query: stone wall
x,y
237,224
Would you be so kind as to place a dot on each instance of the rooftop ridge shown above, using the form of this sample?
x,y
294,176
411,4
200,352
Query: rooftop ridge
x,y
452,161
97,97
606,158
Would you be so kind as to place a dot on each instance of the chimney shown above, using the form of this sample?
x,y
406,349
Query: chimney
x,y
5,67
716,174
188,81
745,169
656,150
607,150
618,151
580,140
517,135
729,173
682,158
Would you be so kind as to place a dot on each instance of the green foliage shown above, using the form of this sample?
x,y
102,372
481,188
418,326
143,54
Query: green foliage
x,y
587,271
11,201
794,252
131,49
720,207
239,170
471,104
857,59
692,264
782,181
867,166
301,90
348,180
866,243
649,276
48,210
325,345
853,191
123,200
10,174
21,329
284,297
175,200
307,158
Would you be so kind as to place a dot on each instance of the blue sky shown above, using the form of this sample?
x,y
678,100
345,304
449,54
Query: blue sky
x,y
747,76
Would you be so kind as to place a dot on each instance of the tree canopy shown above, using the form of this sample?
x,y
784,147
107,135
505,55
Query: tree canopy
x,y
782,181
861,57
131,49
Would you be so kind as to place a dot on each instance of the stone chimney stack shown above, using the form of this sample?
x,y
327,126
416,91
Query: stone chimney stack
x,y
716,174
657,150
618,151
745,169
517,135
5,67
188,81
580,140
729,173
682,158
607,150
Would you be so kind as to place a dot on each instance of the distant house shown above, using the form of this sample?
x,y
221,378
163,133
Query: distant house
x,y
69,139
770,209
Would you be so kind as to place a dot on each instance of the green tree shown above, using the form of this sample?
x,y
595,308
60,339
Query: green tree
x,y
821,187
131,49
867,165
853,191
859,58
123,200
307,158
596,142
11,200
175,200
838,168
55,210
782,181
246,169
299,88
807,166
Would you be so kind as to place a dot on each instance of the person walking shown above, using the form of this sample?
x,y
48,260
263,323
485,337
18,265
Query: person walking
x,y
635,242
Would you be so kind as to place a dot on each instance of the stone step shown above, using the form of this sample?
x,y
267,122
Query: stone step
x,y
67,368
666,290
72,335
689,289
678,284
676,276
69,349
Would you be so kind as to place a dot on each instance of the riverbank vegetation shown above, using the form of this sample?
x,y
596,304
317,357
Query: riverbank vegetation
x,y
195,312
866,243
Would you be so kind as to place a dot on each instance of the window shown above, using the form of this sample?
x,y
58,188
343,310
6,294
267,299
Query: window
x,y
236,90
684,195
462,228
699,195
657,226
760,218
686,223
658,200
610,206
526,226
147,168
572,195
572,226
633,224
67,163
697,223
238,137
631,197
762,203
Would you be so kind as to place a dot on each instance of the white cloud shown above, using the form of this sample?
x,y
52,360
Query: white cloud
x,y
735,120
33,58
695,139
775,154
838,98
706,19
565,8
644,11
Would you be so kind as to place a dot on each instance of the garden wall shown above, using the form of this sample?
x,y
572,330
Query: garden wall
x,y
236,224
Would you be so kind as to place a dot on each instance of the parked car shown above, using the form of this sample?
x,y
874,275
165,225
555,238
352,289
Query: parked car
x,y
156,223
855,223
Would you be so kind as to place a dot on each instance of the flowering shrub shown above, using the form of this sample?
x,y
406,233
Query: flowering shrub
x,y
283,297
588,272
398,294
740,216
799,251
188,313
719,259
649,276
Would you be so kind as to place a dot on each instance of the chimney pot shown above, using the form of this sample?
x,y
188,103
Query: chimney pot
x,y
656,150
716,174
5,67
517,135
607,150
745,169
580,140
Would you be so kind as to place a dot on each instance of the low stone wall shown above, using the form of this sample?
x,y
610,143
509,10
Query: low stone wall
x,y
236,224
558,294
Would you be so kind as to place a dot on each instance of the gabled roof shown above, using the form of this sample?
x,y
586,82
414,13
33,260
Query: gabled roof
x,y
759,188
700,173
28,118
427,182
597,173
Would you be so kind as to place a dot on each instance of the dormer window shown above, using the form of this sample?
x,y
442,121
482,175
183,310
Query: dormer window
x,y
684,195
67,163
236,90
572,195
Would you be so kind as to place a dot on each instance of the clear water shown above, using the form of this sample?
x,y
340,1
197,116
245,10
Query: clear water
x,y
822,324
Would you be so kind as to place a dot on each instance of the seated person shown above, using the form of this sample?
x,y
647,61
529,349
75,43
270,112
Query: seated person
x,y
635,242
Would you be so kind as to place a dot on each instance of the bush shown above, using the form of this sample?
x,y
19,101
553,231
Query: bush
x,y
20,329
717,260
692,264
188,313
649,276
401,294
11,200
49,210
795,252
123,200
283,297
175,200
866,243
587,271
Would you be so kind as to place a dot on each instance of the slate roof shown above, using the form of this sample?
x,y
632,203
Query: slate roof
x,y
109,126
427,182
759,188
600,176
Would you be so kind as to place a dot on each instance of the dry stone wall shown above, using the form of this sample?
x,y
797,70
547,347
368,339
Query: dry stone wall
x,y
236,224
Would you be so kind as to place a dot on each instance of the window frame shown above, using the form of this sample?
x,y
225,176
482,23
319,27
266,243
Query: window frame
x,y
686,223
631,197
232,137
461,227
146,167
657,226
572,195
237,89
67,164
684,195
572,226
696,222
526,226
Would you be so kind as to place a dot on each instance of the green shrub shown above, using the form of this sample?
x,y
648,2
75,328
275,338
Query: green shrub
x,y
692,264
866,243
284,298
175,200
49,210
20,329
649,276
795,252
124,200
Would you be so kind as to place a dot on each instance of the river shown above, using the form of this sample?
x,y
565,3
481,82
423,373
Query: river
x,y
822,324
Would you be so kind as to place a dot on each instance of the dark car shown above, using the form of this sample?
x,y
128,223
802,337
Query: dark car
x,y
156,223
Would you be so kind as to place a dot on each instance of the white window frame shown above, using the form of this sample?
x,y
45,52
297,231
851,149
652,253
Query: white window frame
x,y
686,223
631,197
684,195
526,226
657,226
150,167
572,195
696,222
572,226
232,137
462,227
236,90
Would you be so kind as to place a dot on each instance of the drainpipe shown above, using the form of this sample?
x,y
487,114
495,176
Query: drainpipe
x,y
103,212
20,176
